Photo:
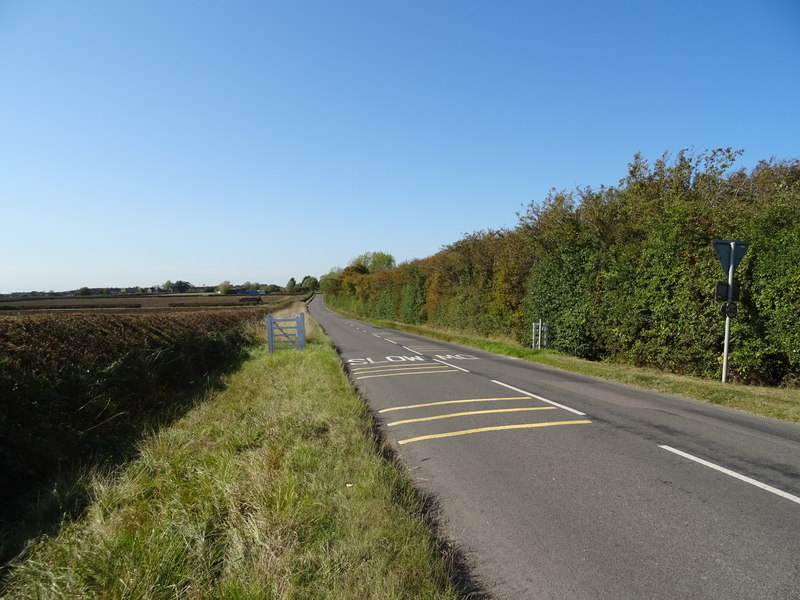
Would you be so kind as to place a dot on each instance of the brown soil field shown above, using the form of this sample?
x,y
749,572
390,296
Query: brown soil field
x,y
141,302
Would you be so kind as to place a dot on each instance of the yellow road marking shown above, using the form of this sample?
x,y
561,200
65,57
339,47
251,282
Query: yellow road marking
x,y
453,402
412,373
404,367
471,412
482,429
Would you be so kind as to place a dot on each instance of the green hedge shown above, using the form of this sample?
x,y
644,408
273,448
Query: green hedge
x,y
622,273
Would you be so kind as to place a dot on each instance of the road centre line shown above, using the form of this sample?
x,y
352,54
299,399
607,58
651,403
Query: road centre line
x,y
385,410
734,474
391,341
412,373
449,365
470,412
412,350
483,429
511,387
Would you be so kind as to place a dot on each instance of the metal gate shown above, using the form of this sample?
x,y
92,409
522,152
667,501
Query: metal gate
x,y
286,334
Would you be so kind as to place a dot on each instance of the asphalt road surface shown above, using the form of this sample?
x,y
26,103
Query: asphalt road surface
x,y
556,485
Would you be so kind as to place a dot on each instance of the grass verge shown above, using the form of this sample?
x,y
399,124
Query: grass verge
x,y
274,487
777,403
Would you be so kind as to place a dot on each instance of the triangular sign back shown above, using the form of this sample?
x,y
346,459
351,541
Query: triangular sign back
x,y
723,248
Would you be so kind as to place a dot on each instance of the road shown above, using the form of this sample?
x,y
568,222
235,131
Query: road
x,y
556,485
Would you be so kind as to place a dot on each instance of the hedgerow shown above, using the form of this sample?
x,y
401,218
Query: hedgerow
x,y
75,385
622,273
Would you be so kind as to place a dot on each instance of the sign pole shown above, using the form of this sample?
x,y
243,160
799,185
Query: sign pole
x,y
730,253
727,317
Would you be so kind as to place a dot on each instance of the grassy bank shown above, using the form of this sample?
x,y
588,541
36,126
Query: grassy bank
x,y
273,487
82,389
777,403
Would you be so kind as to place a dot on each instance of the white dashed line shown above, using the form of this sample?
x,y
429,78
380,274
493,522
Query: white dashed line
x,y
511,387
734,474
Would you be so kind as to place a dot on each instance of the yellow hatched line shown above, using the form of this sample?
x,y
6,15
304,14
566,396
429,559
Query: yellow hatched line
x,y
397,368
471,412
411,373
453,402
482,429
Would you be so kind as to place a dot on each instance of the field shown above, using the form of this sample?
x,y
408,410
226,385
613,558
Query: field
x,y
135,302
271,484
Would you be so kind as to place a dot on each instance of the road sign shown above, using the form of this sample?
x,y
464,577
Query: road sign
x,y
729,310
730,253
723,248
721,291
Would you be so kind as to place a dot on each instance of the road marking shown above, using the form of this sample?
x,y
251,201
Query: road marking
x,y
449,365
511,387
391,341
395,368
389,359
412,373
738,476
411,350
471,412
483,429
375,334
385,410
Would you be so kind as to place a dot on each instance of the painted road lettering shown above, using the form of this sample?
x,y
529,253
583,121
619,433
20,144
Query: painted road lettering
x,y
388,359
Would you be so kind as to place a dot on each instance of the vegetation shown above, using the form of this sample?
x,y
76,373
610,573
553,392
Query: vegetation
x,y
145,302
623,273
272,487
308,284
77,388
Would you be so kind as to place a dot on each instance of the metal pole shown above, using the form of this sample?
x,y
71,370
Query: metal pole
x,y
728,319
301,331
539,338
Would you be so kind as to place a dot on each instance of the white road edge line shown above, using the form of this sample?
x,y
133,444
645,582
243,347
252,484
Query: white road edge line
x,y
410,350
391,341
511,387
449,365
738,476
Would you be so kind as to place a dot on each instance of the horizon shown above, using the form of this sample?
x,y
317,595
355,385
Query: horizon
x,y
260,141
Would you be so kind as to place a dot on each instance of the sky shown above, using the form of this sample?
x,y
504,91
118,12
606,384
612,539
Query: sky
x,y
152,140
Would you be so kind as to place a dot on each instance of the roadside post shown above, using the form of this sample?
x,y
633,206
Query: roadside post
x,y
730,254
539,336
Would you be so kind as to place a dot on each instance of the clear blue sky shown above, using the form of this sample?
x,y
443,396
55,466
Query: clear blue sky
x,y
149,140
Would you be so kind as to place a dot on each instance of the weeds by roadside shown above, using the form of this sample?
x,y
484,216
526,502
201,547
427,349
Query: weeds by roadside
x,y
271,488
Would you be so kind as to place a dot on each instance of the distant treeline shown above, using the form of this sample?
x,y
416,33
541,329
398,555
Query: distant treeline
x,y
623,273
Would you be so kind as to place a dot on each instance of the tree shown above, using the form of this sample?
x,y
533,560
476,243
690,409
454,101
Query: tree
x,y
291,286
310,284
225,287
375,261
181,287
